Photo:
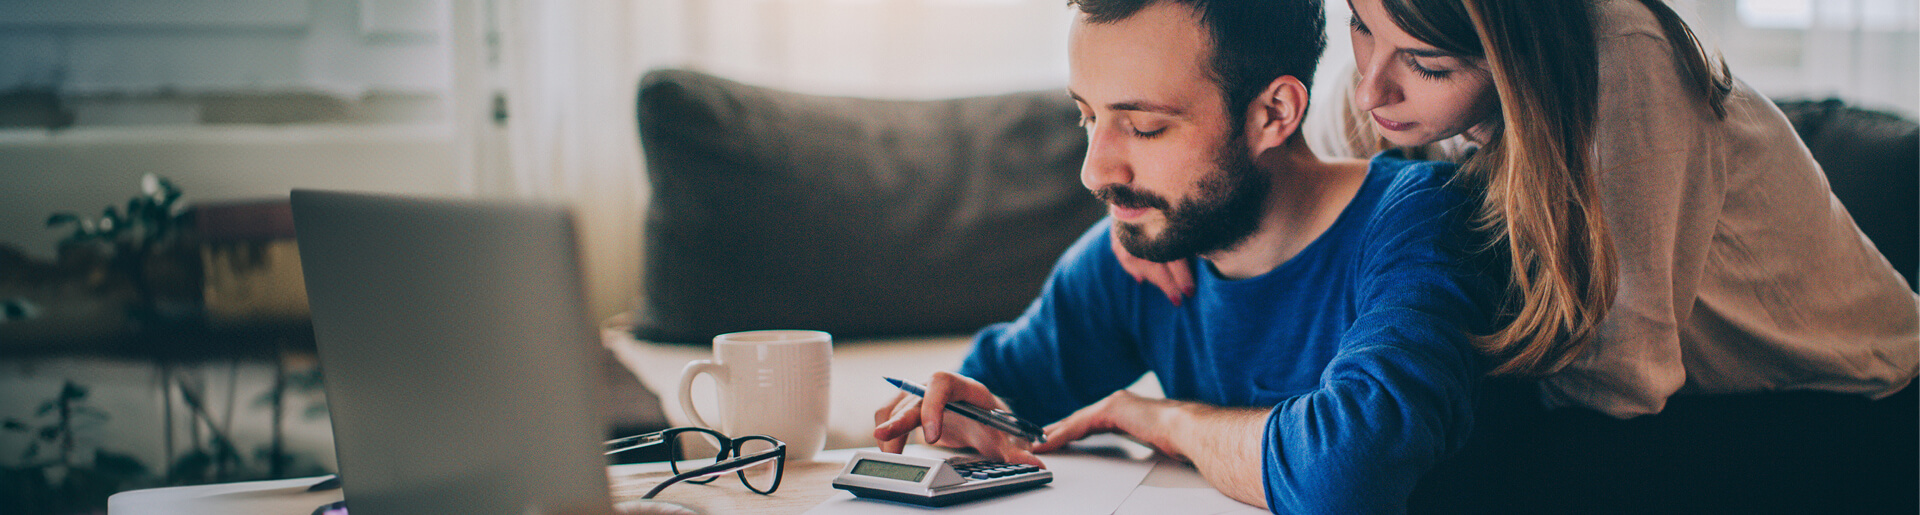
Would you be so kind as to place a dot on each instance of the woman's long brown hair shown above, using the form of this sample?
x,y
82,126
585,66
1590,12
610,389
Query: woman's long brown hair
x,y
1543,200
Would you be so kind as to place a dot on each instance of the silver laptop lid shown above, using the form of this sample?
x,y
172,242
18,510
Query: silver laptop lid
x,y
457,354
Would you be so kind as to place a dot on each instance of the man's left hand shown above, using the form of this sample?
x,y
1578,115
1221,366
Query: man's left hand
x,y
1145,419
1223,443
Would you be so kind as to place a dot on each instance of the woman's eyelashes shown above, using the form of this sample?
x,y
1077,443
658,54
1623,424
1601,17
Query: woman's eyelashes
x,y
1431,73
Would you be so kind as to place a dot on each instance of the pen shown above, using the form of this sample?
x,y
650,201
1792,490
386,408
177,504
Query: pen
x,y
997,419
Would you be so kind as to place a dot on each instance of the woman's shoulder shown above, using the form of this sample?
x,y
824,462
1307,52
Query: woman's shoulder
x,y
1615,19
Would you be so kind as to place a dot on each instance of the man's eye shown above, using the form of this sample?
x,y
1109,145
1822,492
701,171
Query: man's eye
x,y
1149,134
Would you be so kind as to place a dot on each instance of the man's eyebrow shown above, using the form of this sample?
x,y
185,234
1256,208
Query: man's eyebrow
x,y
1137,105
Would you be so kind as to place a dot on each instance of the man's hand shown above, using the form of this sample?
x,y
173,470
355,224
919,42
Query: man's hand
x,y
1144,419
1223,443
893,422
1172,277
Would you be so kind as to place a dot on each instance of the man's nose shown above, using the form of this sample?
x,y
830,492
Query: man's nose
x,y
1106,161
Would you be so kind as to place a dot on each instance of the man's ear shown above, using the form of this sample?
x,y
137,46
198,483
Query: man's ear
x,y
1275,114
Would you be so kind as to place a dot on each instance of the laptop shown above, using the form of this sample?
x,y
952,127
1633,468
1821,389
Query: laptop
x,y
457,353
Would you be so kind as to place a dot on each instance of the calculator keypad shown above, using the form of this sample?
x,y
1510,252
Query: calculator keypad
x,y
982,470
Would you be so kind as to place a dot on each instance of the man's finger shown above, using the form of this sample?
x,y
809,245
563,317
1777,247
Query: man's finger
x,y
940,391
905,417
1182,275
888,410
1022,456
1164,280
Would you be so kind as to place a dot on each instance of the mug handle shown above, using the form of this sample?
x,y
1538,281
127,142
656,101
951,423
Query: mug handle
x,y
695,368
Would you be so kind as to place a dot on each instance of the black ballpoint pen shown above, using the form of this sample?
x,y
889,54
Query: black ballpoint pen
x,y
997,419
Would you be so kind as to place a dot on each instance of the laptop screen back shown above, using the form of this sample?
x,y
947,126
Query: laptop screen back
x,y
457,354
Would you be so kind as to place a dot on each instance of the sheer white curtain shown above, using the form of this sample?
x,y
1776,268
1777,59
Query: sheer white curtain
x,y
547,91
871,48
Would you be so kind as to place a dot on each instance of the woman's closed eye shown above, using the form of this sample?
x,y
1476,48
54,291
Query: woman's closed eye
x,y
1413,62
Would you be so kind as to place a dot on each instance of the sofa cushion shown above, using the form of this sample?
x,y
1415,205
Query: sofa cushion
x,y
859,217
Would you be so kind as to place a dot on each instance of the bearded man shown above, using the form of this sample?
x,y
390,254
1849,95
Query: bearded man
x,y
1324,361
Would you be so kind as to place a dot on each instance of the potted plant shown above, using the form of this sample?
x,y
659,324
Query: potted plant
x,y
145,246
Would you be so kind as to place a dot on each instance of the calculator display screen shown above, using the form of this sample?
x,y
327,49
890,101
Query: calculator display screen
x,y
888,470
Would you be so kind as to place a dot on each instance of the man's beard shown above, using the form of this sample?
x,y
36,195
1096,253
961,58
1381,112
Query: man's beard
x,y
1224,212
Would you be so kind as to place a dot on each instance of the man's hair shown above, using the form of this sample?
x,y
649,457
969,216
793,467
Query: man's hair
x,y
1253,41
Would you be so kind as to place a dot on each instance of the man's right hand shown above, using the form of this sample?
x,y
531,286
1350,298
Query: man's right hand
x,y
896,420
1172,277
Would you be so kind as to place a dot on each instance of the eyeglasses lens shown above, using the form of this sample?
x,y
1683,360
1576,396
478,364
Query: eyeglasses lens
x,y
764,476
695,449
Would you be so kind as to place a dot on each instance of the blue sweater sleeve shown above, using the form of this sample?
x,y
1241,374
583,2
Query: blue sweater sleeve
x,y
1071,347
1396,398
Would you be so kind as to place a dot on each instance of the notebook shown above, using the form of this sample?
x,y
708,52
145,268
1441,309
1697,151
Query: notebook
x,y
457,354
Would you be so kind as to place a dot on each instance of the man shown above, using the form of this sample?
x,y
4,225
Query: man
x,y
1324,362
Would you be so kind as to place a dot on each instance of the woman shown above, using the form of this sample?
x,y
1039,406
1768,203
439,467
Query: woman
x,y
1735,270
1670,234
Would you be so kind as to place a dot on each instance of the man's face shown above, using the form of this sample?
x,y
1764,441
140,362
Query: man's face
x,y
1162,152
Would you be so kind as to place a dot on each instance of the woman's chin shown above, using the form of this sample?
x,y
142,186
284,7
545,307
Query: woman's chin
x,y
1407,140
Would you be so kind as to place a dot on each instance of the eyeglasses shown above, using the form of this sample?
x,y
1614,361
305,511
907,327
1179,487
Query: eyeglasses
x,y
759,460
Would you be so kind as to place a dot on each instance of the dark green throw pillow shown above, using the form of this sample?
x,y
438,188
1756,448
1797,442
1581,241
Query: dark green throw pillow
x,y
860,217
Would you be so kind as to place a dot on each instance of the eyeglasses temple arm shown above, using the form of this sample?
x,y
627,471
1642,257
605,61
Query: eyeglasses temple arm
x,y
721,467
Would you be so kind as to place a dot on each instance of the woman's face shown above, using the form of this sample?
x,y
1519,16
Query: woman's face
x,y
1416,93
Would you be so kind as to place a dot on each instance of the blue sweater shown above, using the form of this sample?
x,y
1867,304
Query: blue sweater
x,y
1359,344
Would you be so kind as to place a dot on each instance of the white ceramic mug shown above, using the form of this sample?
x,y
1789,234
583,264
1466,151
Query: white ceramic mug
x,y
772,383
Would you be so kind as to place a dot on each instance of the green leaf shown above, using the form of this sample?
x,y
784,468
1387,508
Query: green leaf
x,y
192,465
118,465
73,391
62,218
138,208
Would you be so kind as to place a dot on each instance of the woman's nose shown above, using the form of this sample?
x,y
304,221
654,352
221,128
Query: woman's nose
x,y
1374,87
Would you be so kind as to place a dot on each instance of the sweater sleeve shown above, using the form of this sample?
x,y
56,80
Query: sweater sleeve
x,y
1397,397
1029,362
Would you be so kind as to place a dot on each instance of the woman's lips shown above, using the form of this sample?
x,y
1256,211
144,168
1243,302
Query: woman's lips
x,y
1392,125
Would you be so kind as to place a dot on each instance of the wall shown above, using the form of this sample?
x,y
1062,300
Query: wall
x,y
229,98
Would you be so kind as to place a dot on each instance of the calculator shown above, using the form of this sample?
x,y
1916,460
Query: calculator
x,y
934,481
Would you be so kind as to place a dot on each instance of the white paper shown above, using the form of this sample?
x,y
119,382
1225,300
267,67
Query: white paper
x,y
1092,478
1175,487
246,498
